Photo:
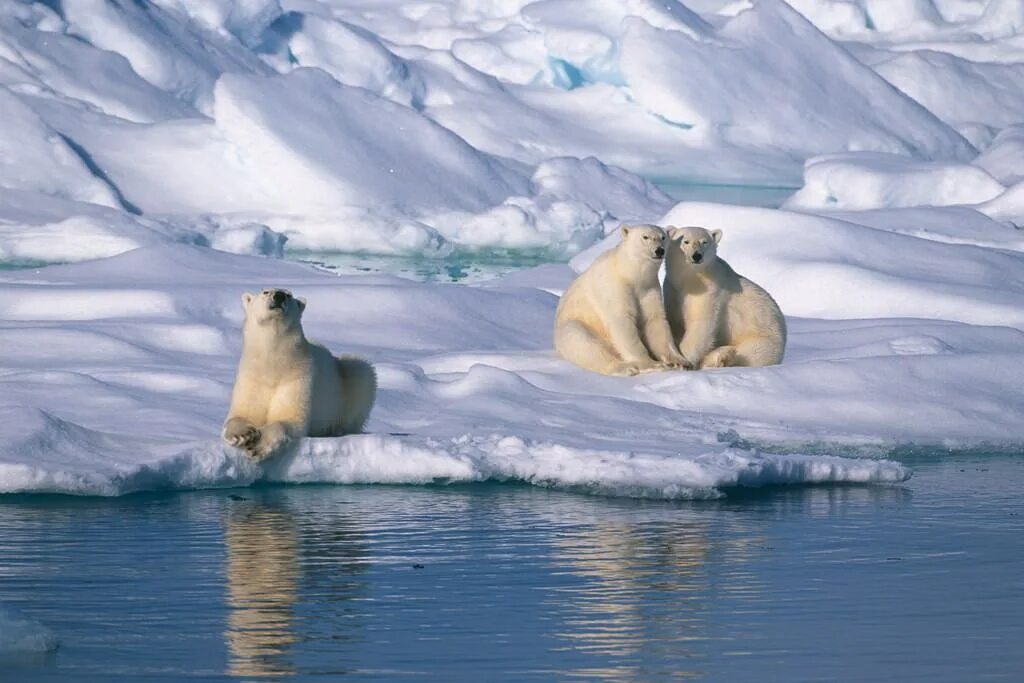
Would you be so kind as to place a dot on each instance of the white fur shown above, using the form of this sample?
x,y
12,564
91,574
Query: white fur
x,y
611,319
288,387
718,317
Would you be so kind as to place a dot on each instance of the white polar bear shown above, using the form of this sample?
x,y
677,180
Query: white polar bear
x,y
718,317
288,387
611,319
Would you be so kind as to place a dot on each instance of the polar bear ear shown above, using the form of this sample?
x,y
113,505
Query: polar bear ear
x,y
246,300
717,234
673,232
624,229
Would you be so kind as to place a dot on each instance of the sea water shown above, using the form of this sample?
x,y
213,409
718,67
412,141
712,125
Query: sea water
x,y
915,582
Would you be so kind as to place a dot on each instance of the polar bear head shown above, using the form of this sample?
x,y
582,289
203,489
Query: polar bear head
x,y
698,246
273,307
643,242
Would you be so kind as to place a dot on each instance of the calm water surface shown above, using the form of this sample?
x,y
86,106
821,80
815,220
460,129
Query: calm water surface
x,y
916,582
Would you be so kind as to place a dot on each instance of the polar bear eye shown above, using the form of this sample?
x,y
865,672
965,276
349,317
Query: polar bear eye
x,y
645,236
686,241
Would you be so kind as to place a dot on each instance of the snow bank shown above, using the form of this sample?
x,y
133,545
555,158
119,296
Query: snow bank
x,y
150,337
957,90
822,268
37,229
381,459
163,45
1004,158
34,157
142,141
1007,207
21,636
813,86
356,58
352,148
955,225
592,183
466,125
872,181
819,267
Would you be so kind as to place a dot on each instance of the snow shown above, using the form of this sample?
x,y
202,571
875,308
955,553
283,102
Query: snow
x,y
672,73
875,181
985,93
151,337
159,158
1004,157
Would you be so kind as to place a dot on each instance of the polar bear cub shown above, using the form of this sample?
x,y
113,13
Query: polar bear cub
x,y
611,319
288,387
718,317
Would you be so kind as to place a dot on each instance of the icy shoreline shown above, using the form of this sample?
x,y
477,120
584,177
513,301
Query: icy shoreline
x,y
113,367
170,153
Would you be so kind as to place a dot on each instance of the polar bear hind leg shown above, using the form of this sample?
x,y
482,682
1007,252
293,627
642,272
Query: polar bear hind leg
x,y
359,389
722,357
756,352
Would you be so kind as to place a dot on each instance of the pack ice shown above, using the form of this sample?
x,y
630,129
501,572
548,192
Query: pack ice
x,y
159,158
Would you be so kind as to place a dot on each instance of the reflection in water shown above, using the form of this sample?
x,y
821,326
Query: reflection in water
x,y
612,615
262,583
505,582
289,577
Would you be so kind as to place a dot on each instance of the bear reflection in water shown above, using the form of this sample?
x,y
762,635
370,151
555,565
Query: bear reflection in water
x,y
621,565
277,558
262,581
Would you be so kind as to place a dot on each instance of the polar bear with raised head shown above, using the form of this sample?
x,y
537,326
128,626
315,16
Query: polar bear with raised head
x,y
288,387
718,317
611,319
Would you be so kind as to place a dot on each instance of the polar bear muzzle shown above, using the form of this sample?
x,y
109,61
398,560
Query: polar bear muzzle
x,y
279,298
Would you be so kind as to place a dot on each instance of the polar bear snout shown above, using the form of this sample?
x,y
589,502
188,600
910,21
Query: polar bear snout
x,y
659,252
278,298
697,257
272,304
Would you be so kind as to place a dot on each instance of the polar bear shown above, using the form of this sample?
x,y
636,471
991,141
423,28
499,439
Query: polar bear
x,y
611,319
718,317
288,387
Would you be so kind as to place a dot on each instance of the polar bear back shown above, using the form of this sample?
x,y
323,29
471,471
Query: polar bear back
x,y
326,404
749,311
590,297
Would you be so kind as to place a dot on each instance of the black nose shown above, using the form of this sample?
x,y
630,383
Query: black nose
x,y
659,252
279,298
698,257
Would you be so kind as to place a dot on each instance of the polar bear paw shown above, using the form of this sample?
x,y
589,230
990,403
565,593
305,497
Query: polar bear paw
x,y
676,363
625,370
261,451
722,357
241,434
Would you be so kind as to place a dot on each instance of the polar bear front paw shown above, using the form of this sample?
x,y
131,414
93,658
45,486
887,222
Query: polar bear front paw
x,y
676,363
241,434
262,451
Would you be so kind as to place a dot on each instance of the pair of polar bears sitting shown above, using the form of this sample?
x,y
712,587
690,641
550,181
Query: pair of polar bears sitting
x,y
613,319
